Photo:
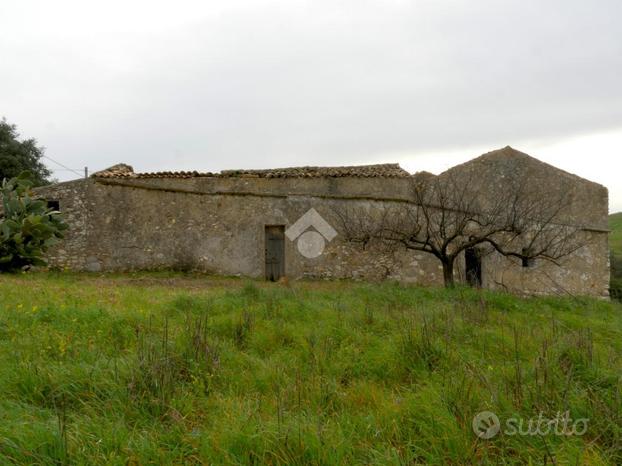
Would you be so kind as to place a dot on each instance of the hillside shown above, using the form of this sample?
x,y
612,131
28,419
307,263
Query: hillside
x,y
172,369
615,239
615,244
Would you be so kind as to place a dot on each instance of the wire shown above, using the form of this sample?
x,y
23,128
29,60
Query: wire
x,y
64,166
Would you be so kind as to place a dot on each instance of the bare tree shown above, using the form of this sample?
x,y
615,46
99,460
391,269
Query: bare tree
x,y
451,213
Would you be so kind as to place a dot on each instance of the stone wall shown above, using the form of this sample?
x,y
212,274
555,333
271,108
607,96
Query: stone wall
x,y
167,224
585,272
72,252
217,224
585,205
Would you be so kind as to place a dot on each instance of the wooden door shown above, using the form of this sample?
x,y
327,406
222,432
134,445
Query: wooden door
x,y
275,252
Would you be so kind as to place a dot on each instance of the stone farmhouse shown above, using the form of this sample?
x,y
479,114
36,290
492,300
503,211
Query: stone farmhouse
x,y
252,223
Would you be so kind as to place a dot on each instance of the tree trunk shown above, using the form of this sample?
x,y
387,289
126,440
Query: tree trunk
x,y
448,273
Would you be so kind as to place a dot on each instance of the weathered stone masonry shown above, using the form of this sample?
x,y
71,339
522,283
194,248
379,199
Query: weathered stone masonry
x,y
120,221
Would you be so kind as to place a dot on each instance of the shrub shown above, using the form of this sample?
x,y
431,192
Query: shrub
x,y
615,289
28,227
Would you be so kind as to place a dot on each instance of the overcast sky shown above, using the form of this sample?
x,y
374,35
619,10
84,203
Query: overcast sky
x,y
209,85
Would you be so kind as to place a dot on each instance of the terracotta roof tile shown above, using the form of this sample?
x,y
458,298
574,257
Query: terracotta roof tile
x,y
389,170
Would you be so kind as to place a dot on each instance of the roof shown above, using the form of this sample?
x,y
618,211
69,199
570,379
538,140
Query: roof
x,y
510,157
505,154
388,170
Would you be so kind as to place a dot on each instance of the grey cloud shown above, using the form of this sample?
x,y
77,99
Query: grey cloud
x,y
258,84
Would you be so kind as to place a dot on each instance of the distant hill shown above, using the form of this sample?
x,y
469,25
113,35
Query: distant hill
x,y
615,239
615,243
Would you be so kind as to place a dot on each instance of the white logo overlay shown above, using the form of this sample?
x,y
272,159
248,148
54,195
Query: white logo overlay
x,y
311,243
486,425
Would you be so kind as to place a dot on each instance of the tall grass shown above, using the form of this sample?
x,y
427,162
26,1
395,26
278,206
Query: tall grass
x,y
172,369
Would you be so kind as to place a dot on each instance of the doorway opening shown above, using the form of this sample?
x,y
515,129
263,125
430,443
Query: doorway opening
x,y
473,267
275,252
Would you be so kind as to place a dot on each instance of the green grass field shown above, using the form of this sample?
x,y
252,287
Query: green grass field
x,y
615,244
179,369
615,239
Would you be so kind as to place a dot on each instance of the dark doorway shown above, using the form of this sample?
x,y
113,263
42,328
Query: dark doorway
x,y
473,267
275,252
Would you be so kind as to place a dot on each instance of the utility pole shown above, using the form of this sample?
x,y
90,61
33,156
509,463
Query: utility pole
x,y
86,172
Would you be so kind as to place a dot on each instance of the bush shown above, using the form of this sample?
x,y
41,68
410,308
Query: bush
x,y
615,287
27,227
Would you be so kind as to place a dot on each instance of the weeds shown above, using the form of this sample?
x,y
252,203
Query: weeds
x,y
61,414
103,372
419,347
243,329
164,362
